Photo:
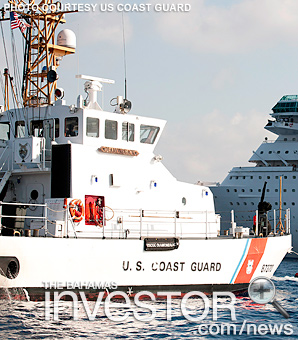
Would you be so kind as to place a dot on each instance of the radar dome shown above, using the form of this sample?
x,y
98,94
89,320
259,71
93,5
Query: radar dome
x,y
67,38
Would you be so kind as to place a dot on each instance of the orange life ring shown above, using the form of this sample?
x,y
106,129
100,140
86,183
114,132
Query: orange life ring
x,y
76,210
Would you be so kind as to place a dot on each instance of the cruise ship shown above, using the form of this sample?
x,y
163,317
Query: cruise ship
x,y
275,162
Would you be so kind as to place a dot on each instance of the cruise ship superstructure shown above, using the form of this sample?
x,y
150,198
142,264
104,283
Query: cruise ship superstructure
x,y
276,162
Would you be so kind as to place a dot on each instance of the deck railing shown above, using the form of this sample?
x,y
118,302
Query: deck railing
x,y
133,223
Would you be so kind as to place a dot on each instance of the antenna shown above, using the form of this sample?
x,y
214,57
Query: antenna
x,y
124,57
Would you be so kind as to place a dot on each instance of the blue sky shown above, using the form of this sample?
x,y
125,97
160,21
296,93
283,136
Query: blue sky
x,y
213,73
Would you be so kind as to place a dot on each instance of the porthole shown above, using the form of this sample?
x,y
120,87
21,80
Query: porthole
x,y
250,190
231,203
285,203
238,203
270,152
294,177
183,200
268,177
293,203
260,177
293,190
252,203
285,177
287,151
242,190
259,190
278,151
34,194
244,203
261,152
235,190
285,190
276,190
251,177
228,190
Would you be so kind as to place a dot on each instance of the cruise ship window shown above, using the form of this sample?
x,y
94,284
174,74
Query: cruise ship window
x,y
252,203
268,190
270,152
287,151
294,177
71,126
293,190
235,190
251,177
228,190
238,203
261,152
244,203
278,152
285,177
231,203
231,177
268,177
276,177
260,177
92,127
276,190
111,129
285,203
293,203
250,190
20,129
276,203
285,190
243,177
4,131
148,133
259,190
242,190
128,132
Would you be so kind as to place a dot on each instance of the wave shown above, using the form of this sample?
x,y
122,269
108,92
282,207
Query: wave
x,y
285,278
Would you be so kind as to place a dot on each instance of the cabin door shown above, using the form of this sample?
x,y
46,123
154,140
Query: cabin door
x,y
35,195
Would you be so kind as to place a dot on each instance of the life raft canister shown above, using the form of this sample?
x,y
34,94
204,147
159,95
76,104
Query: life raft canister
x,y
76,210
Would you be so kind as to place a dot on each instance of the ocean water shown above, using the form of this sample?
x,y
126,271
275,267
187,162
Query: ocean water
x,y
26,320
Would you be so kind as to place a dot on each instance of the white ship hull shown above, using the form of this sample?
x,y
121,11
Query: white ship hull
x,y
206,265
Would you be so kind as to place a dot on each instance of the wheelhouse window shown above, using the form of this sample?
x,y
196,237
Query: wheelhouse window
x,y
57,127
71,126
111,127
20,129
37,128
92,129
128,132
4,131
148,134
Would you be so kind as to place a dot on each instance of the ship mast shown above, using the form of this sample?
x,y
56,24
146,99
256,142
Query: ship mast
x,y
41,55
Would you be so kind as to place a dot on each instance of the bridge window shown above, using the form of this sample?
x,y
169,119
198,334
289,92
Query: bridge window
x,y
36,128
128,132
111,127
20,129
148,134
71,126
4,131
92,129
